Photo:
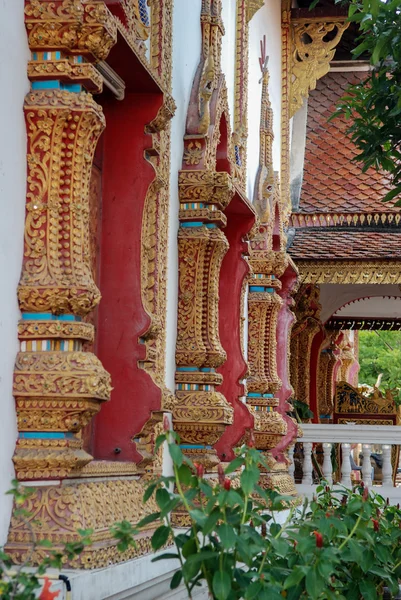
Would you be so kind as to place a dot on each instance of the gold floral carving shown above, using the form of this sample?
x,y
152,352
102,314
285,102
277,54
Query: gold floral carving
x,y
201,252
63,129
161,40
350,400
246,9
325,384
77,26
55,391
285,108
201,413
155,225
66,70
311,54
307,310
57,512
377,272
34,330
263,310
154,246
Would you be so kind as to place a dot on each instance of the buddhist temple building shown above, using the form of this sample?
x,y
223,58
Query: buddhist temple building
x,y
184,233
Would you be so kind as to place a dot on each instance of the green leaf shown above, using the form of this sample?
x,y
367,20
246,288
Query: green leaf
x,y
162,497
294,578
160,537
198,516
211,521
165,556
159,441
221,585
189,548
368,589
202,556
149,491
281,547
176,580
253,591
227,535
148,519
249,478
234,465
176,454
315,584
170,506
185,475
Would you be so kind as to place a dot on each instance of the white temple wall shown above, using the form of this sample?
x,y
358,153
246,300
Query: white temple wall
x,y
186,53
14,85
267,21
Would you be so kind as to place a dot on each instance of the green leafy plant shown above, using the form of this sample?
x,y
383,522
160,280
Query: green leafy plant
x,y
380,354
301,411
374,105
342,545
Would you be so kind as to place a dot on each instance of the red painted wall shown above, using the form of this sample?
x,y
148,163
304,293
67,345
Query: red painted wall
x,y
122,319
284,323
240,220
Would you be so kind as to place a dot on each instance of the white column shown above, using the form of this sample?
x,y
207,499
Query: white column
x,y
346,465
367,465
327,466
291,466
387,469
307,466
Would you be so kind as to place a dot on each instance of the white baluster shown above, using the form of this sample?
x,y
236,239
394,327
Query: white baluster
x,y
387,470
291,466
367,465
307,466
327,466
346,465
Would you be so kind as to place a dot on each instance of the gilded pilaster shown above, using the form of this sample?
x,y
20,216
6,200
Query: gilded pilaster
x,y
307,310
57,386
201,413
268,261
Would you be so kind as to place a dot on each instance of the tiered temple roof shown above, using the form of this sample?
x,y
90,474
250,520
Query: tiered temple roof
x,y
341,213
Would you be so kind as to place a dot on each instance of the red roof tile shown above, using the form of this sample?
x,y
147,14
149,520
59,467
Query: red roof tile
x,y
334,244
332,182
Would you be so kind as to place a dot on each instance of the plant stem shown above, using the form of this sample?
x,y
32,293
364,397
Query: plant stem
x,y
351,533
195,533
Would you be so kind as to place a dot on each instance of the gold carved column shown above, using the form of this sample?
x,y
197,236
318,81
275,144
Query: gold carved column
x,y
307,310
201,413
268,261
58,388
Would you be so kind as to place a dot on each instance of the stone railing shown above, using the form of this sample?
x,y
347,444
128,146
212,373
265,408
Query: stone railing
x,y
385,436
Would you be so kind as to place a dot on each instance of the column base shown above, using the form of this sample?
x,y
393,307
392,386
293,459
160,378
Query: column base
x,y
57,512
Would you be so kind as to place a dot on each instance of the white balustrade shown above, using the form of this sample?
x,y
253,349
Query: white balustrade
x,y
346,465
384,436
387,470
367,465
327,466
291,466
307,467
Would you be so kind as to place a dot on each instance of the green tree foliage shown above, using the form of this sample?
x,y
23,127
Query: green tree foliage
x,y
374,105
380,353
